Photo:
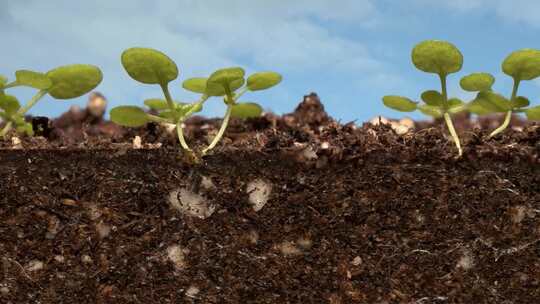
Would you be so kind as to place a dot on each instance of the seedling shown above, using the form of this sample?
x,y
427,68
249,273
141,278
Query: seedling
x,y
65,82
150,66
441,58
520,65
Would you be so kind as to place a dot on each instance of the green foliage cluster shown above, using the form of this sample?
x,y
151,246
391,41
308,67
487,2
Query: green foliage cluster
x,y
64,82
150,66
443,58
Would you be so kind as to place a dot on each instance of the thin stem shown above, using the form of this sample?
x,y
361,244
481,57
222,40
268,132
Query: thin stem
x,y
221,129
508,115
155,118
23,110
11,85
240,93
170,102
453,132
180,133
447,118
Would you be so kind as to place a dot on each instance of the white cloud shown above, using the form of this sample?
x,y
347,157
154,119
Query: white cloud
x,y
287,36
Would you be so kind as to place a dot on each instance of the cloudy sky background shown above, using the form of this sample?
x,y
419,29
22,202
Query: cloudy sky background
x,y
351,52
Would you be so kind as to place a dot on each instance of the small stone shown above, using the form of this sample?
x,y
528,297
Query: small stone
x,y
289,248
378,120
466,261
357,261
325,145
4,290
190,203
259,193
176,255
69,202
59,258
192,291
103,230
16,143
34,265
207,183
86,259
137,142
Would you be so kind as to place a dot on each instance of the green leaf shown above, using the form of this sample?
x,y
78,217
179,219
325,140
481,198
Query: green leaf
x,y
533,113
129,116
246,110
263,80
25,128
477,82
432,98
3,81
225,80
520,102
170,114
156,104
9,104
196,85
522,64
399,103
439,57
479,108
149,66
456,105
196,107
71,81
33,79
491,102
433,111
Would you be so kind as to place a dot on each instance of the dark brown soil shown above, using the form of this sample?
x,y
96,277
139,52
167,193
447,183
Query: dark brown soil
x,y
354,215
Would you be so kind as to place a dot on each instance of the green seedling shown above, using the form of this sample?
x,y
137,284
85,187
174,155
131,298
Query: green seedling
x,y
65,82
441,58
520,65
150,66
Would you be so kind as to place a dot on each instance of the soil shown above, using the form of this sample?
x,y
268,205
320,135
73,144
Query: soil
x,y
288,209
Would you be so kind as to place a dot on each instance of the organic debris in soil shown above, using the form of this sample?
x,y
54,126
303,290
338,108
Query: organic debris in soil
x,y
293,209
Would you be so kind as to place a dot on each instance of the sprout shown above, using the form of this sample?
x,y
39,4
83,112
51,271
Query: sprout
x,y
520,65
441,58
64,82
150,66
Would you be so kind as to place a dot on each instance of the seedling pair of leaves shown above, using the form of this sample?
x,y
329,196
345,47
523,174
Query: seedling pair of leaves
x,y
441,58
520,65
61,83
150,66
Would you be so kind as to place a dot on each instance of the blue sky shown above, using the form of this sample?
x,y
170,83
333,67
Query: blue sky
x,y
351,52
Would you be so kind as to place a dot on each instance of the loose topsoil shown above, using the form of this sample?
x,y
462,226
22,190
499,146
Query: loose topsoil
x,y
291,209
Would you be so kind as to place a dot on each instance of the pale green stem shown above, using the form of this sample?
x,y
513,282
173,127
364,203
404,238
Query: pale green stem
x,y
155,118
508,115
180,133
447,118
221,129
170,102
11,85
23,110
453,132
240,93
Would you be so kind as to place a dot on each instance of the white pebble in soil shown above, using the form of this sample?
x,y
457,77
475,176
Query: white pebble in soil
x,y
34,265
103,230
259,192
192,291
190,204
466,261
176,255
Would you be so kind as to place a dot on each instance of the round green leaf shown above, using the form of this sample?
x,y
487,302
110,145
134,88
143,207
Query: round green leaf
x,y
439,57
223,80
33,79
477,82
520,102
71,81
149,66
533,113
491,102
522,64
432,98
399,103
263,80
156,104
433,111
246,110
129,116
9,104
196,85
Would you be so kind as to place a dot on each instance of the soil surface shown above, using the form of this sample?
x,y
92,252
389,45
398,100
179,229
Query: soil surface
x,y
290,209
